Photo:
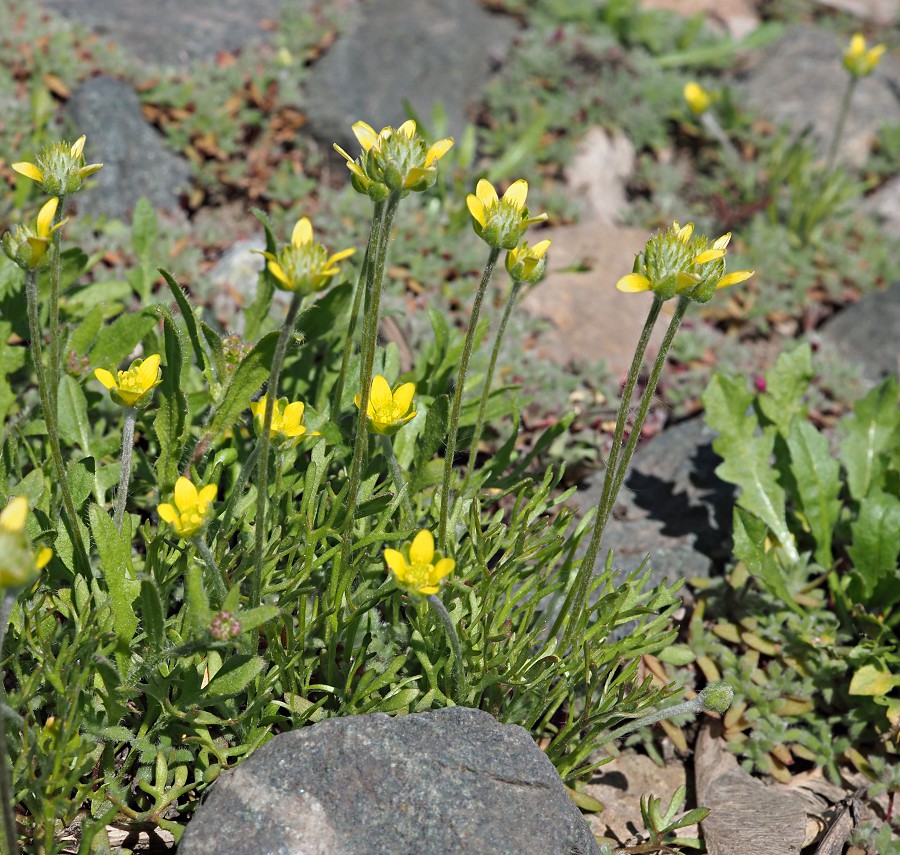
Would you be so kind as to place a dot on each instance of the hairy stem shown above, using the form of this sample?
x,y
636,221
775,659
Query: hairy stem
x,y
447,622
11,846
397,475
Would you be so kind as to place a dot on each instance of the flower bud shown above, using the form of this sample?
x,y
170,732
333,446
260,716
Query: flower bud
x,y
717,697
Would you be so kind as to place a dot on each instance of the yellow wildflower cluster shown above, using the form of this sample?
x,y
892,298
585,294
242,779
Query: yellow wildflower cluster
x,y
191,510
134,386
415,568
388,409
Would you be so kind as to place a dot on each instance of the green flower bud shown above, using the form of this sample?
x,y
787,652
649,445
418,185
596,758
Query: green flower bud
x,y
717,697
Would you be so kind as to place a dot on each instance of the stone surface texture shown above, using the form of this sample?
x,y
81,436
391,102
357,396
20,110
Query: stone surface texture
x,y
172,32
736,17
800,81
884,12
598,172
454,782
427,52
135,160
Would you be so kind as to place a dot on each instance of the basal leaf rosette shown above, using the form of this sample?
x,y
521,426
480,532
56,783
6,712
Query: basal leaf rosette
x,y
304,265
59,167
393,160
678,263
191,510
418,568
20,563
500,223
134,386
27,245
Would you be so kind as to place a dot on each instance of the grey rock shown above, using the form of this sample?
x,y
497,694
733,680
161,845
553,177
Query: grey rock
x,y
883,12
884,204
800,81
672,507
452,781
172,32
598,173
425,52
867,333
135,160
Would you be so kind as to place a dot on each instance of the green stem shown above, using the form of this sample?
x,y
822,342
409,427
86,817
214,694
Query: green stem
x,y
125,475
839,125
264,441
397,475
374,285
6,809
574,605
37,357
458,395
488,380
371,248
216,576
55,273
646,399
447,622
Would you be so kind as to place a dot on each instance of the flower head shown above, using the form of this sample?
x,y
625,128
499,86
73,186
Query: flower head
x,y
526,263
394,160
389,410
191,510
697,98
19,563
27,246
304,264
859,60
287,420
59,167
134,386
415,568
679,263
500,223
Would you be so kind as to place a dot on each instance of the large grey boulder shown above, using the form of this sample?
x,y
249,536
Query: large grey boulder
x,y
454,782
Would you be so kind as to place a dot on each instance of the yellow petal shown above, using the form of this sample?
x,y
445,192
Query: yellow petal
x,y
302,233
538,250
734,278
366,135
342,153
443,568
278,272
684,232
340,256
105,378
167,513
403,397
380,394
476,209
415,174
357,400
422,549
90,169
408,129
148,372
78,146
12,517
293,413
208,494
709,255
516,194
857,45
29,170
45,217
258,408
185,495
41,559
633,283
722,242
485,191
438,150
396,562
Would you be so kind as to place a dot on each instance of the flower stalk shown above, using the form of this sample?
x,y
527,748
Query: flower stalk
x,y
443,615
458,394
387,445
6,810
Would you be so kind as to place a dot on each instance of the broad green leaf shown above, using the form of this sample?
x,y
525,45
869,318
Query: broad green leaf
x,y
750,547
121,337
245,382
108,296
144,230
172,408
83,335
236,674
747,456
81,479
872,681
215,354
72,418
876,540
786,384
817,478
115,562
252,618
869,433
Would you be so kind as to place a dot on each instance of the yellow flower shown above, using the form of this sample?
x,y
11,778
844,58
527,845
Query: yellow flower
x,y
679,263
389,410
698,99
133,387
27,246
287,427
500,223
394,160
859,60
191,510
19,564
525,263
59,167
304,265
417,571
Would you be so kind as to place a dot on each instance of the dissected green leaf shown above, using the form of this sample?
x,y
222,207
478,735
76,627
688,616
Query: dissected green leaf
x,y
876,540
786,385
